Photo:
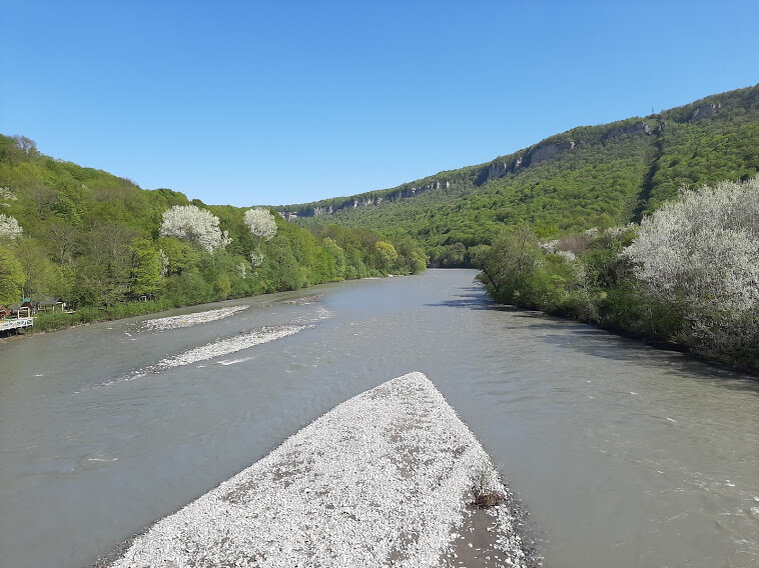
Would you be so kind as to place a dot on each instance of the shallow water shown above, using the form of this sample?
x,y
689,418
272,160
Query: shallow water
x,y
624,455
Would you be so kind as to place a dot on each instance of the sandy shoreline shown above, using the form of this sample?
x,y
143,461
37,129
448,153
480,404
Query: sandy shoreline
x,y
384,479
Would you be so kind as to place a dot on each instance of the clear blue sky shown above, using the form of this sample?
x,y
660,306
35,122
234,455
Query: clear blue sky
x,y
286,102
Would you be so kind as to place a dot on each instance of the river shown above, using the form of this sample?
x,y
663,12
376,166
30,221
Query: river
x,y
623,455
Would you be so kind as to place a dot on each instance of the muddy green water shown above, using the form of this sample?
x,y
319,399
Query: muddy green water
x,y
624,455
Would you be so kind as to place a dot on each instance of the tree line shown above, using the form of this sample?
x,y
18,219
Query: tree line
x,y
101,243
686,275
612,174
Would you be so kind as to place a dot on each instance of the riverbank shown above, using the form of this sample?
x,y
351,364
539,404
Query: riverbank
x,y
49,322
626,456
389,477
644,339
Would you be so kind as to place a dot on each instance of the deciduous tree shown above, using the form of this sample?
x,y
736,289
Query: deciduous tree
x,y
12,277
9,228
198,226
261,223
699,254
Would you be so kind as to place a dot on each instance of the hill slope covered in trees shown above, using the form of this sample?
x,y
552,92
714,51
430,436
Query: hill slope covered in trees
x,y
590,176
99,242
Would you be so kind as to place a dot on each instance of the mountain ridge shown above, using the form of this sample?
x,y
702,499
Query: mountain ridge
x,y
602,175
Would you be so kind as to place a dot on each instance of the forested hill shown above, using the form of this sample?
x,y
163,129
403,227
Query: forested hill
x,y
99,241
590,176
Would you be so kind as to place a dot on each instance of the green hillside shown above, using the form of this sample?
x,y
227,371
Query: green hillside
x,y
101,243
590,176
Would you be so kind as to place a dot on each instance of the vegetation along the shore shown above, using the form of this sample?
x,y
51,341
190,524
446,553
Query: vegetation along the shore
x,y
586,224
110,249
687,275
602,224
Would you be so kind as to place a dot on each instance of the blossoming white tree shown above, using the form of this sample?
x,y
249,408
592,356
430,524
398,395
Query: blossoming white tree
x,y
700,253
261,223
6,196
9,227
189,223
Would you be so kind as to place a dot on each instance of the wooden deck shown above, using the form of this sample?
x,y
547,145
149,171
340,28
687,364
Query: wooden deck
x,y
15,323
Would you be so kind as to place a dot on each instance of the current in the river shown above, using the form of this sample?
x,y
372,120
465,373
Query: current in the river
x,y
623,455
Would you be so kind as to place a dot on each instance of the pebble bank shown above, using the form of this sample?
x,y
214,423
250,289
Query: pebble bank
x,y
387,478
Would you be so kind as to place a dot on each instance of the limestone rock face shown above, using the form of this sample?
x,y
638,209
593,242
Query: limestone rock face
x,y
500,168
355,202
705,111
540,153
545,152
637,128
323,211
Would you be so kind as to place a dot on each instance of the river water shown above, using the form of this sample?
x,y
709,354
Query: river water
x,y
623,455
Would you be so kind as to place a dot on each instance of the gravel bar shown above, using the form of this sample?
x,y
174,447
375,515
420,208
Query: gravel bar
x,y
220,348
187,320
387,478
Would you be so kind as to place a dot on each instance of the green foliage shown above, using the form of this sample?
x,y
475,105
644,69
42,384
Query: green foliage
x,y
95,241
146,268
386,255
582,276
509,267
686,276
12,277
591,176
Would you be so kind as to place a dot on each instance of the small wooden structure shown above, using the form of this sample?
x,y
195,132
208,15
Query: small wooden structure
x,y
51,304
23,310
23,317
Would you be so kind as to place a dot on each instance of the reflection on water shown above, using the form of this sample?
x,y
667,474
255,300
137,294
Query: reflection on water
x,y
625,456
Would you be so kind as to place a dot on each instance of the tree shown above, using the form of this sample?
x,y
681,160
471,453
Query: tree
x,y
178,257
63,239
147,265
42,277
387,255
338,256
198,226
9,228
6,196
12,277
27,146
699,253
509,263
261,223
104,270
703,248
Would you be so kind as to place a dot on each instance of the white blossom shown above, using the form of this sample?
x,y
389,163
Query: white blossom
x,y
592,233
700,255
261,223
703,249
549,246
195,225
9,227
6,196
567,255
256,259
